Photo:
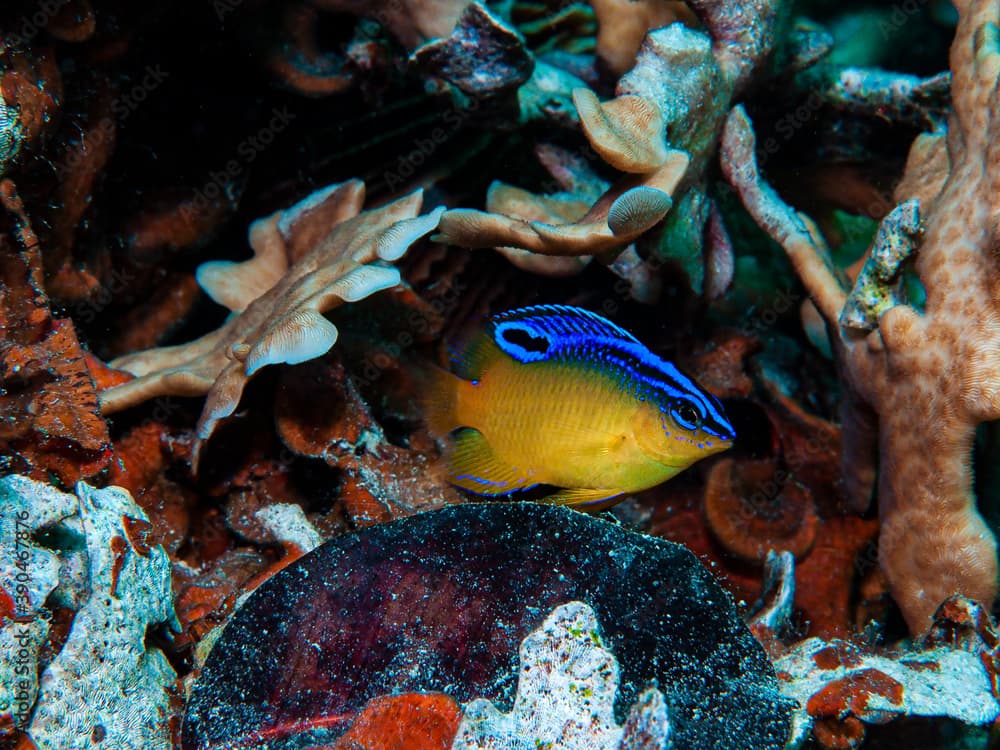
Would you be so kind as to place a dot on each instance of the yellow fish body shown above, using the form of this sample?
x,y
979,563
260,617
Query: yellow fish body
x,y
557,395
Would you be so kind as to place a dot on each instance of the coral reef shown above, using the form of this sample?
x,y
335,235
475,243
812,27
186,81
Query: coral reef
x,y
668,110
104,682
331,588
29,573
51,422
843,689
412,721
427,603
628,134
927,377
308,259
622,26
565,696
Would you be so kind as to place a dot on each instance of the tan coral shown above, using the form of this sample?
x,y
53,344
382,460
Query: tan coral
x,y
929,377
308,259
622,24
510,200
628,133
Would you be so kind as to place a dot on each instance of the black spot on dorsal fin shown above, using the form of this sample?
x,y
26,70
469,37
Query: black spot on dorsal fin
x,y
557,321
517,340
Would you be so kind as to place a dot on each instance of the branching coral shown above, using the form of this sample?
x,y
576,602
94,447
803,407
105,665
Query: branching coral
x,y
694,78
661,129
308,259
628,133
622,24
926,378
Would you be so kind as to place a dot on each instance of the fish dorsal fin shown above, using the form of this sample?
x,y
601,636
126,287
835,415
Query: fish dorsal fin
x,y
531,334
534,334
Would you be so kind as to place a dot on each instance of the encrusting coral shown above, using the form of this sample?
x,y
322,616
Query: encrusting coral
x,y
925,378
309,258
48,404
104,682
842,687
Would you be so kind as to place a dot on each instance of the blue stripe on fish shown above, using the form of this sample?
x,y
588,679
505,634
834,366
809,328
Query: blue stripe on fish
x,y
571,334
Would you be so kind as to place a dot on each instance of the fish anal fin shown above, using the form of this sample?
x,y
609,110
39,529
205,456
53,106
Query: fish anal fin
x,y
589,500
475,467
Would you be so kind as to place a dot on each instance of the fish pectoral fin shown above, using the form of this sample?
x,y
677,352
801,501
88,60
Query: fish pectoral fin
x,y
475,467
586,499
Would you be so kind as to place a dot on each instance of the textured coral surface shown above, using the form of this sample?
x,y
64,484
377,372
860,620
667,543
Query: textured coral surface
x,y
930,375
236,236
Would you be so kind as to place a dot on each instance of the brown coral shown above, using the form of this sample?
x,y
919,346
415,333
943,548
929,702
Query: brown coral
x,y
622,24
928,377
49,420
753,508
309,258
628,133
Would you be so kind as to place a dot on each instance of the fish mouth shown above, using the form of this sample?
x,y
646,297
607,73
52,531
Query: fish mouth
x,y
704,450
723,444
723,432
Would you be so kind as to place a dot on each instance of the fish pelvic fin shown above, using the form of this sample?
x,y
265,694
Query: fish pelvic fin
x,y
475,467
589,500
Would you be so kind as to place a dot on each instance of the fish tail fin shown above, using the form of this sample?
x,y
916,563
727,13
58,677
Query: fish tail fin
x,y
441,399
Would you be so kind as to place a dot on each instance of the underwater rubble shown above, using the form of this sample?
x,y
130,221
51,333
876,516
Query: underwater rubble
x,y
238,240
440,601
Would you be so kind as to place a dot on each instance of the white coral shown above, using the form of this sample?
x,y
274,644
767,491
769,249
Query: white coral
x,y
565,696
105,685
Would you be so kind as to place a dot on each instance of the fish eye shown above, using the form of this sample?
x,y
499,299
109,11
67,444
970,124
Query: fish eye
x,y
686,414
